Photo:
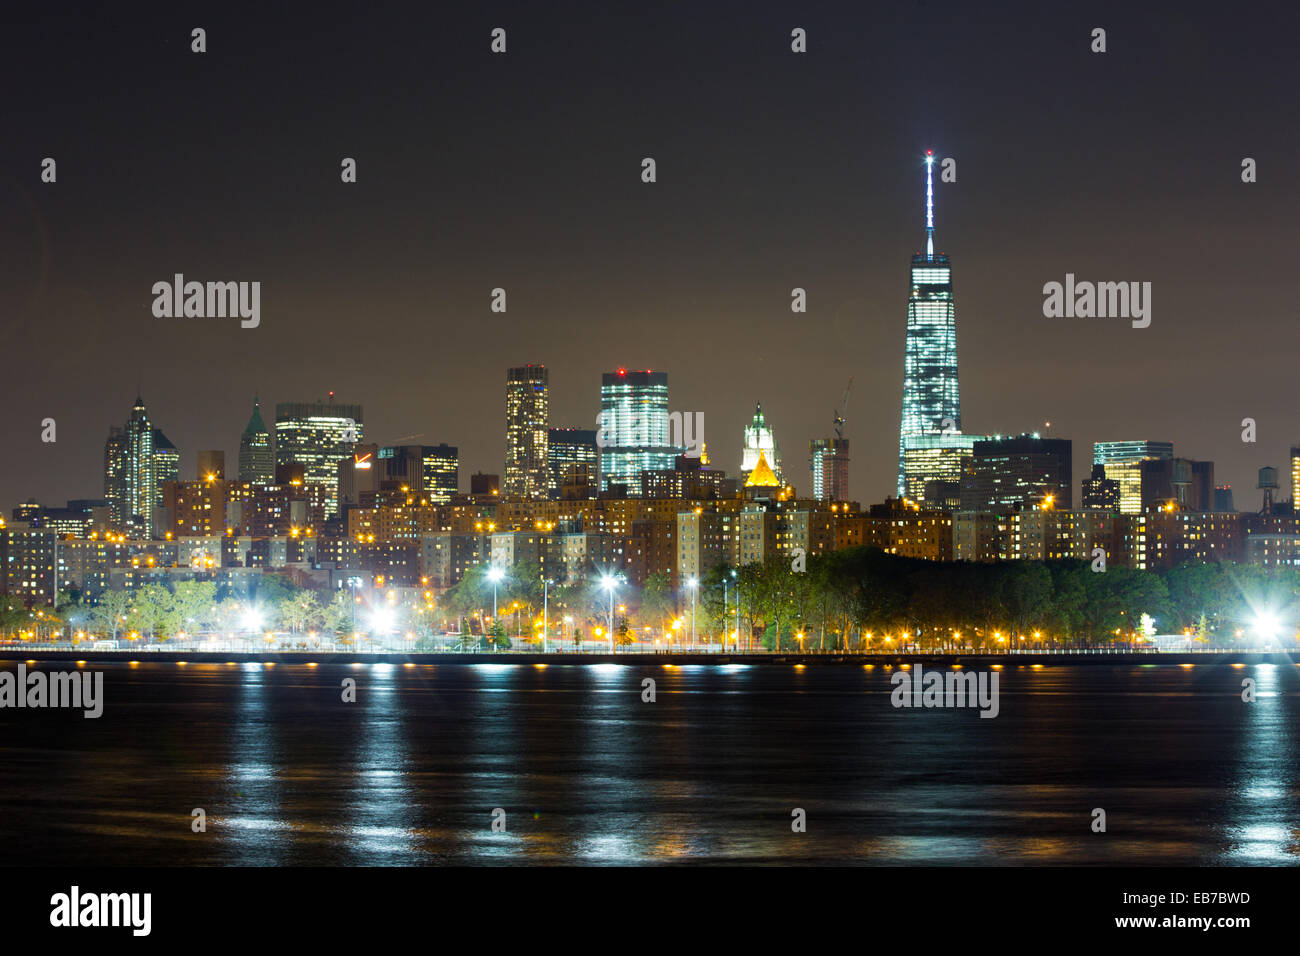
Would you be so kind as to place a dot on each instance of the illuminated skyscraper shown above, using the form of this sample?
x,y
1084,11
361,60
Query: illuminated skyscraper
x,y
931,397
141,486
115,454
633,435
527,417
441,473
256,456
828,459
166,465
1295,480
570,446
759,441
1122,461
317,435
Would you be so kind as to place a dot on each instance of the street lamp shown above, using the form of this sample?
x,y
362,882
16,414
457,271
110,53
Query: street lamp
x,y
495,574
733,577
609,583
693,584
546,584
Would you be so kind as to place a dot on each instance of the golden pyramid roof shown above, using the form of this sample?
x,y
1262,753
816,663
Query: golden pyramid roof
x,y
762,475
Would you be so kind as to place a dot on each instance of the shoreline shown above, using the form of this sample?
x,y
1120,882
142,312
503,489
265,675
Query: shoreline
x,y
567,659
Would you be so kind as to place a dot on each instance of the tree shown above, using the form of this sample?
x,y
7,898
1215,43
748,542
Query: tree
x,y
658,602
111,612
195,604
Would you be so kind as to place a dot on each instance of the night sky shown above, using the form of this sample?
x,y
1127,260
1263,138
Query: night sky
x,y
522,171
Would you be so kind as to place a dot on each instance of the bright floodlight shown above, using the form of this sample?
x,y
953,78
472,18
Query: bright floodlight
x,y
495,574
692,582
382,619
1267,626
252,620
608,581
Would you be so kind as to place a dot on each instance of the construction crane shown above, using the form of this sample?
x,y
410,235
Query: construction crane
x,y
844,407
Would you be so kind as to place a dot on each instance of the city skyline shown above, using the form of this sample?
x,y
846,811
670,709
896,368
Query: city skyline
x,y
694,277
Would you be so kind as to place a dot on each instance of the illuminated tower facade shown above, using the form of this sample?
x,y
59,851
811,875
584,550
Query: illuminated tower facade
x,y
256,454
931,419
527,424
319,436
141,485
633,427
759,441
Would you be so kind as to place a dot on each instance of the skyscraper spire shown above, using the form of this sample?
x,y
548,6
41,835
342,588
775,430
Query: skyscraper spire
x,y
929,204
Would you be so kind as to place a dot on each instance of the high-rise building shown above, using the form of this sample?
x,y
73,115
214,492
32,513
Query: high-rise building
x,y
141,483
759,442
634,427
931,396
319,436
527,416
1123,464
256,454
828,458
441,473
115,454
1223,498
1295,477
1009,474
1099,492
166,465
936,462
570,446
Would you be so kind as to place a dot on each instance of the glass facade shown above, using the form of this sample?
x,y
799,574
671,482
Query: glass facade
x,y
319,436
1122,461
633,433
527,417
931,396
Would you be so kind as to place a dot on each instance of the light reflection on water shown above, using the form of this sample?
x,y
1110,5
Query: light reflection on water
x,y
411,772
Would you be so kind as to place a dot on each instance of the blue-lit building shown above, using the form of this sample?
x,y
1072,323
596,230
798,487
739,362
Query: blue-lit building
x,y
633,429
931,396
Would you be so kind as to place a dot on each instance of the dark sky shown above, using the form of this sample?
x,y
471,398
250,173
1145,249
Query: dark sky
x,y
523,171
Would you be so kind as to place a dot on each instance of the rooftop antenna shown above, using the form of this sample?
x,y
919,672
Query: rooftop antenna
x,y
929,204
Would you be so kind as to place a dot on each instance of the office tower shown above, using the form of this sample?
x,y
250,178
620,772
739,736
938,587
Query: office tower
x,y
936,462
166,464
931,397
1099,492
759,442
441,473
1010,474
141,484
1177,484
1295,478
828,459
359,474
570,446
319,436
634,427
402,466
527,417
1122,461
211,465
256,454
1223,498
115,454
